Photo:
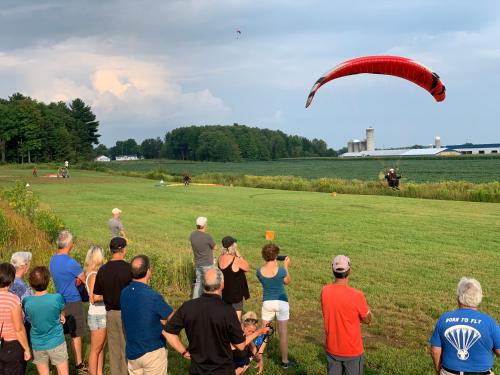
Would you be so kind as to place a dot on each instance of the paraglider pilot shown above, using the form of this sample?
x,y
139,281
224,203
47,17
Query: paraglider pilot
x,y
392,179
187,179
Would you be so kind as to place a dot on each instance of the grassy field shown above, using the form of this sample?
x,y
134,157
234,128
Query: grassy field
x,y
407,254
472,169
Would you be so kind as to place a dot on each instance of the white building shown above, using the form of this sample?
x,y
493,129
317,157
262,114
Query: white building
x,y
479,149
401,153
102,158
126,158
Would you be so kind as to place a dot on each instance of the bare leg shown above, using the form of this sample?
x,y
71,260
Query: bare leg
x,y
77,349
97,341
238,313
43,369
62,368
283,332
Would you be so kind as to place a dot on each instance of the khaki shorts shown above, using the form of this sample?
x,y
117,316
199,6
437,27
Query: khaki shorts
x,y
56,355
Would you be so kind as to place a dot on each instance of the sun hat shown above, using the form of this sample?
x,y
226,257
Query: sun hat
x,y
116,211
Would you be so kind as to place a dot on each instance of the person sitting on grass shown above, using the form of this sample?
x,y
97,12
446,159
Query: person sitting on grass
x,y
45,311
255,344
275,300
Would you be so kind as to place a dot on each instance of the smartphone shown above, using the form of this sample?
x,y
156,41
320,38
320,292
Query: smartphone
x,y
281,257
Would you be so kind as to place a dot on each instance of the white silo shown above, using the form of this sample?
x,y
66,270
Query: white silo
x,y
437,142
356,145
370,139
350,146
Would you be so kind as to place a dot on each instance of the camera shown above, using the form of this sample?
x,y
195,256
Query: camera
x,y
281,257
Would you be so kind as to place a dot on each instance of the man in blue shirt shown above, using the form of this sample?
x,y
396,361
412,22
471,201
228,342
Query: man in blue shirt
x,y
144,314
465,340
65,271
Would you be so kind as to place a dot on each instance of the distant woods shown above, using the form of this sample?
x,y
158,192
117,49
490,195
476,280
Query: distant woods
x,y
221,143
32,131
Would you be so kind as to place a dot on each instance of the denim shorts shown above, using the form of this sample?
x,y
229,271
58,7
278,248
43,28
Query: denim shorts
x,y
96,322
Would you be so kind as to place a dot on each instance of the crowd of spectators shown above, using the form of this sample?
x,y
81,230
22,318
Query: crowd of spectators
x,y
136,322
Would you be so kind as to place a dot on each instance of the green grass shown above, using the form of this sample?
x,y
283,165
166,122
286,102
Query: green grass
x,y
472,169
407,254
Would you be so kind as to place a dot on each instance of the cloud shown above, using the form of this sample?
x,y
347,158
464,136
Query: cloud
x,y
127,89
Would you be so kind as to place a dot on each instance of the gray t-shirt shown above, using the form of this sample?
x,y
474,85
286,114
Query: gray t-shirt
x,y
115,226
202,244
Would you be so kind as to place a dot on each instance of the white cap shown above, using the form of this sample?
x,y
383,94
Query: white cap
x,y
115,211
391,170
201,221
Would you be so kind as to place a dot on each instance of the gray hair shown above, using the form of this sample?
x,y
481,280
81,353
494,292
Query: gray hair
x,y
64,239
21,258
212,284
469,292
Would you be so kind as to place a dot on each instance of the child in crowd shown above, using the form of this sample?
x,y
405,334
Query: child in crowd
x,y
44,310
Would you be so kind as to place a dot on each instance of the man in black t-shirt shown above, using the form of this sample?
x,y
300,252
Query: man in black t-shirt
x,y
211,327
110,280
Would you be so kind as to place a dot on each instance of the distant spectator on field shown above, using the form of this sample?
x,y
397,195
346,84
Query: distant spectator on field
x,y
211,327
233,266
21,262
115,224
35,171
344,309
273,278
96,317
109,283
45,312
65,272
14,350
144,314
203,246
465,339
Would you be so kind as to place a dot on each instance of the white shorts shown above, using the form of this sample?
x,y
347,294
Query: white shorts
x,y
277,308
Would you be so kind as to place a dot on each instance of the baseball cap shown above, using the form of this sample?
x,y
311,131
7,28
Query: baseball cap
x,y
117,243
116,211
228,241
201,221
341,263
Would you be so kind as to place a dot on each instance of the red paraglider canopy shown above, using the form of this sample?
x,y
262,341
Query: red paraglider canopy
x,y
389,65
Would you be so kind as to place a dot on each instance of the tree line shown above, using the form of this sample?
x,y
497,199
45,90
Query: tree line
x,y
32,131
221,143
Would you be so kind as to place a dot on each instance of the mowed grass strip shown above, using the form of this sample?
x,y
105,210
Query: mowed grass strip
x,y
407,254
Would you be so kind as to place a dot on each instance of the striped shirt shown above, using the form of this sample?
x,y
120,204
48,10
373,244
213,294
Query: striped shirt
x,y
8,302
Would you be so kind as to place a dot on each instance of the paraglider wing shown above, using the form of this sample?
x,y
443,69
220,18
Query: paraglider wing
x,y
388,65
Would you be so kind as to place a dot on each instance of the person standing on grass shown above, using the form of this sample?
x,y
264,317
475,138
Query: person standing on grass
x,y
14,350
144,314
211,327
45,312
275,300
65,271
21,262
344,309
465,340
115,224
203,246
96,317
233,266
109,283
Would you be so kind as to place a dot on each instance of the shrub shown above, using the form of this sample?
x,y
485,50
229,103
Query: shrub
x,y
48,223
5,230
22,199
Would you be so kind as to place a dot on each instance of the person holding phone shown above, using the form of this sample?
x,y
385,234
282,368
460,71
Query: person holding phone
x,y
273,278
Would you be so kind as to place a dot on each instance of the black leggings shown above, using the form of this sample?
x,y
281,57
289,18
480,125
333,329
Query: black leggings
x,y
12,358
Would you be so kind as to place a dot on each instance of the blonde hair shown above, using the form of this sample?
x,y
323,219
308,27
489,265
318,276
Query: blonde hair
x,y
230,251
94,259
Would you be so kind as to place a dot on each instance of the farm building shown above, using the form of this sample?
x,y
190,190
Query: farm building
x,y
102,158
126,157
441,151
479,149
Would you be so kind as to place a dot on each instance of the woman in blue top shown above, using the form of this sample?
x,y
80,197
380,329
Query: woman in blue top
x,y
275,300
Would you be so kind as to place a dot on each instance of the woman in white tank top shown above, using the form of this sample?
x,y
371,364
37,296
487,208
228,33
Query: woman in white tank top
x,y
97,312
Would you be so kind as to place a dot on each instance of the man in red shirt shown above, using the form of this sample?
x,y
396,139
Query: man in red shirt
x,y
344,309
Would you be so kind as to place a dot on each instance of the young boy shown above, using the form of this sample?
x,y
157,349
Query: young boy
x,y
45,313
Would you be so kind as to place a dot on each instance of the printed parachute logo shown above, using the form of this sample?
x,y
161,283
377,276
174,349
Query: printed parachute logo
x,y
462,338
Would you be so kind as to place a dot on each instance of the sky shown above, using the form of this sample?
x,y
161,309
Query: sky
x,y
147,67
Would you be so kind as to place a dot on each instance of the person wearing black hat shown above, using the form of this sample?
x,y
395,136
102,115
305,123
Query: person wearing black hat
x,y
233,267
111,279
